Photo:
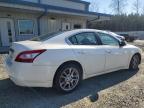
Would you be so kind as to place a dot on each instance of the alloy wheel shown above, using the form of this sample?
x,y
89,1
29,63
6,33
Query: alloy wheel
x,y
69,79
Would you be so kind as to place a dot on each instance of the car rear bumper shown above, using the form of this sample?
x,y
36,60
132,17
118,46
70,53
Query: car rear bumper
x,y
30,83
29,75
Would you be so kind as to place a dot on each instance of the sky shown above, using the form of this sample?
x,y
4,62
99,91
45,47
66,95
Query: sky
x,y
104,6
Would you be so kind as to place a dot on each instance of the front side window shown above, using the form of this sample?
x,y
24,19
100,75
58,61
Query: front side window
x,y
26,27
107,39
84,39
73,40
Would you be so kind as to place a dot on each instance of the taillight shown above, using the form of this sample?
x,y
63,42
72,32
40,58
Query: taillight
x,y
28,56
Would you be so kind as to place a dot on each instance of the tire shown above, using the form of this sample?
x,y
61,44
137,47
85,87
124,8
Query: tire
x,y
135,61
67,78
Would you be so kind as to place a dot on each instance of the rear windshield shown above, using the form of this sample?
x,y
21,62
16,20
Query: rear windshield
x,y
46,36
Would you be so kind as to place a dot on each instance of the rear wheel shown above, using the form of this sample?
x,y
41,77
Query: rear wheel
x,y
135,61
68,78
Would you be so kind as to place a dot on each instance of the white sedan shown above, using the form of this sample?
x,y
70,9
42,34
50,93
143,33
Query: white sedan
x,y
62,60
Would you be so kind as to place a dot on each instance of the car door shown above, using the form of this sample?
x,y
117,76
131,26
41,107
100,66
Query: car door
x,y
116,56
88,52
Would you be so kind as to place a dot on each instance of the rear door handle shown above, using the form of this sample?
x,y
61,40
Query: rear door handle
x,y
108,51
81,52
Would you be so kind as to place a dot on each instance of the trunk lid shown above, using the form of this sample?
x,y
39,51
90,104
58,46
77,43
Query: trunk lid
x,y
18,47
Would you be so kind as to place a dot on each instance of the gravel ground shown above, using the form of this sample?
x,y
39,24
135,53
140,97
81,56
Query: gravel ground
x,y
3,74
121,89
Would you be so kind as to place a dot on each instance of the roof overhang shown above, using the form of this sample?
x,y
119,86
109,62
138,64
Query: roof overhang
x,y
17,7
71,13
80,1
17,4
74,11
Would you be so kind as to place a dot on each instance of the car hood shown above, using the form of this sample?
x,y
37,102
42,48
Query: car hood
x,y
129,46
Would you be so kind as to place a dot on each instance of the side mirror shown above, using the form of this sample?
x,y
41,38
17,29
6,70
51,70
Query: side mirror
x,y
122,43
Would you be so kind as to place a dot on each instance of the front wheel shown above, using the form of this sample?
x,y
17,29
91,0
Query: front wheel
x,y
68,78
135,61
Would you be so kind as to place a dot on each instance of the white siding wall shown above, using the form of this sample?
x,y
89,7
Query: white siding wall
x,y
15,17
48,25
65,3
44,25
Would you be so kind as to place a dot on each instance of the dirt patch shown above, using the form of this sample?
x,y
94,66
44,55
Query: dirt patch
x,y
139,43
3,74
129,94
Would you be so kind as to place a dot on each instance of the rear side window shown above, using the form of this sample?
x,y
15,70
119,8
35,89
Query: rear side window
x,y
73,40
84,39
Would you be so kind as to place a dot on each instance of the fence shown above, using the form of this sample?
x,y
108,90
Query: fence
x,y
139,34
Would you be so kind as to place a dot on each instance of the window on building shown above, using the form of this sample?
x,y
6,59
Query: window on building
x,y
77,26
26,27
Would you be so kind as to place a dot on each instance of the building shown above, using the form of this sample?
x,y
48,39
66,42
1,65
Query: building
x,y
24,19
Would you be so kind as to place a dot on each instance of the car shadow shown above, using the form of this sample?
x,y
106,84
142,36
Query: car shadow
x,y
12,96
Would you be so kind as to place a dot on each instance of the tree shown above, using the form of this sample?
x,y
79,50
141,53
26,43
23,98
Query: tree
x,y
121,23
118,6
136,6
143,10
94,6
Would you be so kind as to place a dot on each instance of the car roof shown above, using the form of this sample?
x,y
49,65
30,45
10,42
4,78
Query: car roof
x,y
86,30
76,31
61,38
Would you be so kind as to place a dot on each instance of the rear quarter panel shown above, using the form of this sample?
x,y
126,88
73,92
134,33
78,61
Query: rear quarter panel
x,y
55,57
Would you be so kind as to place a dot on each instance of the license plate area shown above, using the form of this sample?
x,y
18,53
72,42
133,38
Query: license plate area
x,y
11,53
9,61
10,57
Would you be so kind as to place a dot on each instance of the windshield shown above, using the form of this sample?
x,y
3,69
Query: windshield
x,y
118,36
114,34
46,36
